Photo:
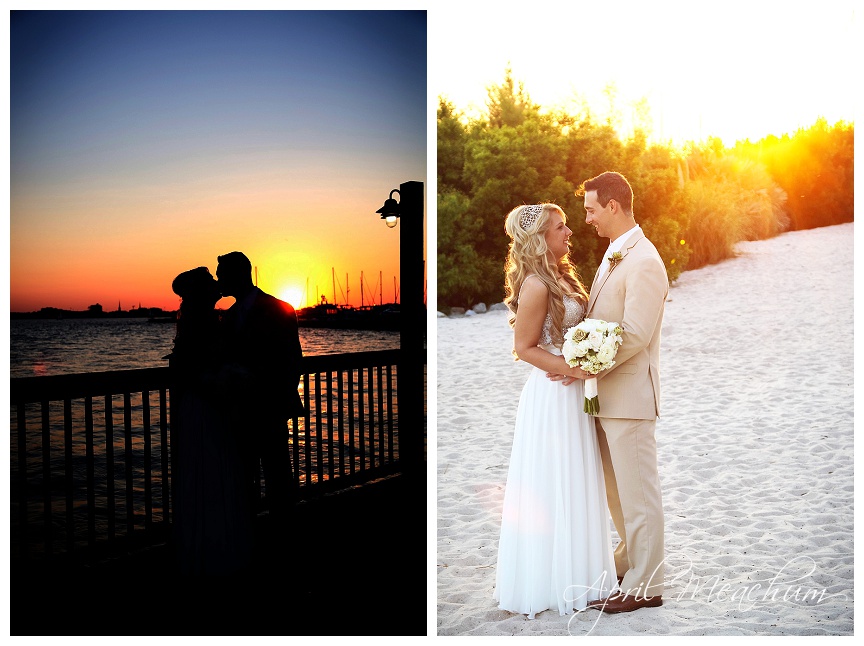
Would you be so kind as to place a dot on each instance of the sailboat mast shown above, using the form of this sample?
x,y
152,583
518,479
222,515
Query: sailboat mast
x,y
361,288
333,270
381,286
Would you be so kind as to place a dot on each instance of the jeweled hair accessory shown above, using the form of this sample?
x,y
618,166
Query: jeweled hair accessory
x,y
529,215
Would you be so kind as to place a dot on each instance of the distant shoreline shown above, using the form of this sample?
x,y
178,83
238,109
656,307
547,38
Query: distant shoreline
x,y
55,313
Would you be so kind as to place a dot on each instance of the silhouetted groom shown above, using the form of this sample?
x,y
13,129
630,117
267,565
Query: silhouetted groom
x,y
262,342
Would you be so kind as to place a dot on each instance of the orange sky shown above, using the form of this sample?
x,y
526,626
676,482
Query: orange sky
x,y
132,162
82,256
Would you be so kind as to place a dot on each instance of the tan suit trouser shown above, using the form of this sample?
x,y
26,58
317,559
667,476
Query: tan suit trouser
x,y
629,453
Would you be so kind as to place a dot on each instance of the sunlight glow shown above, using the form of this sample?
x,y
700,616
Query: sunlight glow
x,y
206,147
294,296
692,83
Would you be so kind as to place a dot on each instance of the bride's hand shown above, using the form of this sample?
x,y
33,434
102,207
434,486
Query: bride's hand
x,y
576,373
567,379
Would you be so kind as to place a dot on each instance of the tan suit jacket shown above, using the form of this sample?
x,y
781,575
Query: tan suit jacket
x,y
632,293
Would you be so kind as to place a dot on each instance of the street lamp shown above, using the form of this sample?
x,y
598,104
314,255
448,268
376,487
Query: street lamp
x,y
412,313
390,211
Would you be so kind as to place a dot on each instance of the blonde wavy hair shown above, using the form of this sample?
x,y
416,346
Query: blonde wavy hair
x,y
527,256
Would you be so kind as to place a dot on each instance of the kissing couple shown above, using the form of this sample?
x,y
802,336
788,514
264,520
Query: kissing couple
x,y
234,387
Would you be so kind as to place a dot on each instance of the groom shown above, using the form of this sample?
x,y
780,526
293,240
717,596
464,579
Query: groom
x,y
262,340
630,287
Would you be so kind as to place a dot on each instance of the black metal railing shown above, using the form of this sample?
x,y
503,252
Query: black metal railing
x,y
91,453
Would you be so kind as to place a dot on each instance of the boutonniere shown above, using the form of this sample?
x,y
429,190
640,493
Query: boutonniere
x,y
614,259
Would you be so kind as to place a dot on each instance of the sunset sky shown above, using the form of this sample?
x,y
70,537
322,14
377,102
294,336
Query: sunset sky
x,y
734,69
145,143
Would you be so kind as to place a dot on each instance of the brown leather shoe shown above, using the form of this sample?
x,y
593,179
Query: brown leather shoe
x,y
625,603
599,602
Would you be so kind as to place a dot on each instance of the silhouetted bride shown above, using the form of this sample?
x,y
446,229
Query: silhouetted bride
x,y
212,524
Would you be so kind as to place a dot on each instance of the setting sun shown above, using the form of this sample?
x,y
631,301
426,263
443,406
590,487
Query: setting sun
x,y
294,296
211,146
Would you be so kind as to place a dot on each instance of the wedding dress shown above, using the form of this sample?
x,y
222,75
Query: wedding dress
x,y
555,547
212,520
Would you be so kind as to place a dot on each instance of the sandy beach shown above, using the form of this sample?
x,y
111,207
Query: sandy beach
x,y
755,452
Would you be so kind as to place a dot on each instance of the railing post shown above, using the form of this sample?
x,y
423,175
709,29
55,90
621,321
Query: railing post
x,y
22,481
46,477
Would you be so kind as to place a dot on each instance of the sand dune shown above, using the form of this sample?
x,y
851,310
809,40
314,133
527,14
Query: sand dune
x,y
755,450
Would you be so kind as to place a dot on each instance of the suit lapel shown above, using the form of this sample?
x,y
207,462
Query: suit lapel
x,y
595,286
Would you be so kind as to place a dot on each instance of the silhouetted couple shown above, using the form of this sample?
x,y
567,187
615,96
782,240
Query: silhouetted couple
x,y
233,391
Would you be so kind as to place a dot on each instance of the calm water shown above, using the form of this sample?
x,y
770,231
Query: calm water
x,y
52,347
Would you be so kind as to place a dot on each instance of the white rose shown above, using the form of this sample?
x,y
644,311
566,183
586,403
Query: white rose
x,y
568,349
595,340
606,353
586,325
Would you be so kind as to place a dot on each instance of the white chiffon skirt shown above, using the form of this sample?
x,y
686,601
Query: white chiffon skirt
x,y
555,547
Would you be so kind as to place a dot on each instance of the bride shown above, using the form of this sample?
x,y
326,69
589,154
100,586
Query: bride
x,y
212,524
555,547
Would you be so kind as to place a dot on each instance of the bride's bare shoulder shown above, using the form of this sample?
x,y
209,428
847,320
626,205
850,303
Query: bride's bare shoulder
x,y
532,285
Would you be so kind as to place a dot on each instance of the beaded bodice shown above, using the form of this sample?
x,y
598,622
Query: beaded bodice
x,y
572,315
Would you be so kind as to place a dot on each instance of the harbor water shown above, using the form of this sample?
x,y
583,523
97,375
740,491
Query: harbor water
x,y
41,347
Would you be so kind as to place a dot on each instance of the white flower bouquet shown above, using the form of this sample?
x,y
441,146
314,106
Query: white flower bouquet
x,y
592,345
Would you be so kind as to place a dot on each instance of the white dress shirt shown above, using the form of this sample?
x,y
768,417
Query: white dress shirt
x,y
614,246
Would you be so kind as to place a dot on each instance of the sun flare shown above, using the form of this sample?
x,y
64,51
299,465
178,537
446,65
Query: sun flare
x,y
733,93
293,295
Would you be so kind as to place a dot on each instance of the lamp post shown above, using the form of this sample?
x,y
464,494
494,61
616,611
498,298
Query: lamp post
x,y
409,211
